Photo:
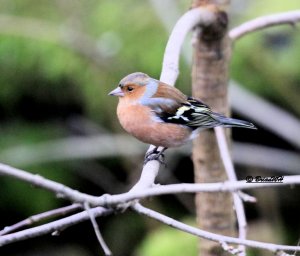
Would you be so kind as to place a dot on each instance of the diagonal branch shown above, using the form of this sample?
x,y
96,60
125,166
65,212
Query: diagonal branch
x,y
99,236
41,216
208,235
237,200
36,180
200,16
54,226
264,22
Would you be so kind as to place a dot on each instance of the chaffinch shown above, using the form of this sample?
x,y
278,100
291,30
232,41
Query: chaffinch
x,y
159,114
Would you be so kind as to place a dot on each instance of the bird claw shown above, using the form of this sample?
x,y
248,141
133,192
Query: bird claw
x,y
156,155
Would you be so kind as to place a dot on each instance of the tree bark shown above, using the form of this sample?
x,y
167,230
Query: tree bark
x,y
209,81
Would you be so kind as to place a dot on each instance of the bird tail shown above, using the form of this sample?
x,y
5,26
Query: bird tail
x,y
232,122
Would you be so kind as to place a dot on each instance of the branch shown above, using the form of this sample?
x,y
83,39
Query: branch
x,y
41,182
127,197
210,236
99,236
264,22
201,16
54,226
237,200
226,186
41,216
134,194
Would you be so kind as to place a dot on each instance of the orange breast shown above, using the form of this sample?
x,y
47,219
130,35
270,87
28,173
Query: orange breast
x,y
140,121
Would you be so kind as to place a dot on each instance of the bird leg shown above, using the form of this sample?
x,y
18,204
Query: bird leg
x,y
154,154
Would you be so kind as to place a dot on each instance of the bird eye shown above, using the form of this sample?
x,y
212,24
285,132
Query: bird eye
x,y
129,88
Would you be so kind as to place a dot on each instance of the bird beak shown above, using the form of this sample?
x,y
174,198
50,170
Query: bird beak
x,y
117,92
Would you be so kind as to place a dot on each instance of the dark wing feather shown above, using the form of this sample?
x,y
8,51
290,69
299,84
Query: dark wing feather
x,y
195,114
192,113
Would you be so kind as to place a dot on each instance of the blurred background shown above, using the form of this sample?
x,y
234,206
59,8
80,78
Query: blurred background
x,y
58,61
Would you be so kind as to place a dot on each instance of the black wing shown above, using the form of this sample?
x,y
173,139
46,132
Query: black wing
x,y
195,114
192,113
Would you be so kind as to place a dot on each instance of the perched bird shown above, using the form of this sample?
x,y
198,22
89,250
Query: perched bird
x,y
159,114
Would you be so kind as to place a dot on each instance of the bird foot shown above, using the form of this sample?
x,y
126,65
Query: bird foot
x,y
156,155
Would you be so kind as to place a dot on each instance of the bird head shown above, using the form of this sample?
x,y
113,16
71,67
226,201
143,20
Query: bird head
x,y
132,86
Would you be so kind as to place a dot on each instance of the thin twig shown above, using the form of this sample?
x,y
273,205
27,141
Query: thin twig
x,y
41,216
238,203
247,198
54,226
102,243
264,22
208,235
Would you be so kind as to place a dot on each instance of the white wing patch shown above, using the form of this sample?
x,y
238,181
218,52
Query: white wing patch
x,y
180,113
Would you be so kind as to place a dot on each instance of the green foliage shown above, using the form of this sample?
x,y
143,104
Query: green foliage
x,y
168,241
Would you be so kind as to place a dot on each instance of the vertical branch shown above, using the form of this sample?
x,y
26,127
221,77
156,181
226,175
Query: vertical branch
x,y
209,78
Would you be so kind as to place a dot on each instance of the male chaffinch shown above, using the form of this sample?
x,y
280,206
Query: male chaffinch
x,y
159,114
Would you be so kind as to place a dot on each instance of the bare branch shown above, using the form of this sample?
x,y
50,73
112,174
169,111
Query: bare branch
x,y
120,199
41,216
200,16
210,236
39,181
227,186
238,203
264,22
103,245
55,226
134,194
